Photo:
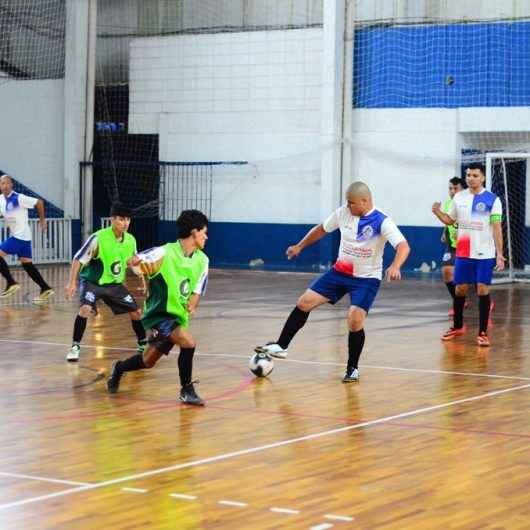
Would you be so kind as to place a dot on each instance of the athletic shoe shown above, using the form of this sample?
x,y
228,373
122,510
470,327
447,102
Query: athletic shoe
x,y
113,382
73,354
483,340
451,333
43,296
189,396
10,290
142,345
351,376
273,349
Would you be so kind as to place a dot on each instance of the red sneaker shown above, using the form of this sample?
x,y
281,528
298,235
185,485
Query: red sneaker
x,y
483,340
451,333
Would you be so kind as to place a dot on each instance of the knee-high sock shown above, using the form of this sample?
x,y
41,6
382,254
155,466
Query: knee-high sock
x,y
355,348
35,275
4,271
79,328
185,365
294,323
458,306
484,302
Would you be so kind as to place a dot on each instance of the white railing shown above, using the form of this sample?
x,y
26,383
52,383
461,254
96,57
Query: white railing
x,y
52,246
105,222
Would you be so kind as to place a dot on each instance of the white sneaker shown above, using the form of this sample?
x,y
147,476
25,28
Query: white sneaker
x,y
351,376
273,349
73,354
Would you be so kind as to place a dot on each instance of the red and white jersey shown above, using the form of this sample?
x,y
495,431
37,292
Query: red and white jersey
x,y
362,241
473,215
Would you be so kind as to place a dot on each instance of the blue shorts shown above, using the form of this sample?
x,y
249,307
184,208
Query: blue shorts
x,y
472,271
334,285
13,246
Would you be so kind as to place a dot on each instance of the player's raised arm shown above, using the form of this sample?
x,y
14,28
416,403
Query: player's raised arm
x,y
315,234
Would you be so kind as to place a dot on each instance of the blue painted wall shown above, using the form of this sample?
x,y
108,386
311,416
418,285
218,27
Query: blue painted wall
x,y
236,244
408,66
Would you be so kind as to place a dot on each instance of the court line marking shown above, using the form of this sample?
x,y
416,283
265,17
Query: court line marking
x,y
323,526
299,361
233,503
334,517
135,490
273,445
284,510
45,479
182,496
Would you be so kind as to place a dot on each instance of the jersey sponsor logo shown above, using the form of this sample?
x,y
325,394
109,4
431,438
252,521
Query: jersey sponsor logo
x,y
115,268
367,232
128,299
90,296
481,207
184,287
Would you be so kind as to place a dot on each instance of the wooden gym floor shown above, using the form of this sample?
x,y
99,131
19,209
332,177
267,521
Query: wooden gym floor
x,y
434,436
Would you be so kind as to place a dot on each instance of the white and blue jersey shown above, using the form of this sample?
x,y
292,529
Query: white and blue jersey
x,y
14,209
362,241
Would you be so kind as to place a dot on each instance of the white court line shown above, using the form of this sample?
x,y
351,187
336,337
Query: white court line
x,y
45,479
182,496
334,517
284,510
260,448
323,526
233,503
299,361
135,490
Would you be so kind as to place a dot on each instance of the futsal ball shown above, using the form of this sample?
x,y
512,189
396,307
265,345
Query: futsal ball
x,y
261,364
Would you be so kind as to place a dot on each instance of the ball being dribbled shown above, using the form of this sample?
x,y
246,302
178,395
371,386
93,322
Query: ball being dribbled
x,y
261,364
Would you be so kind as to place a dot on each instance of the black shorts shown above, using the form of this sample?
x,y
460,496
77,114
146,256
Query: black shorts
x,y
160,334
117,296
448,259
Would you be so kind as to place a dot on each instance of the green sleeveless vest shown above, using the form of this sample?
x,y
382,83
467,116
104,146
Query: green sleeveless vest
x,y
110,265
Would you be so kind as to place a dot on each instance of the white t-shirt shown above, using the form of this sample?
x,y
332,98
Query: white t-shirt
x,y
473,216
362,241
14,209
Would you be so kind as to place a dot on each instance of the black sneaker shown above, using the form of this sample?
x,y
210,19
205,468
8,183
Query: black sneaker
x,y
113,382
351,376
189,396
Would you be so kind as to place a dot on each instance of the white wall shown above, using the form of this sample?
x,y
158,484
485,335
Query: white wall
x,y
408,155
31,135
367,10
251,96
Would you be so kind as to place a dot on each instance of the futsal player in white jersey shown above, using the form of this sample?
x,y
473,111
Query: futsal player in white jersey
x,y
358,271
477,214
14,208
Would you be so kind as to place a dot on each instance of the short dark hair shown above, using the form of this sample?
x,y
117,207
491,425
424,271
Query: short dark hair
x,y
120,210
189,220
477,165
456,181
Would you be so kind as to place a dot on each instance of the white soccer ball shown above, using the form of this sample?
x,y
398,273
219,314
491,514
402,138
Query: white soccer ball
x,y
261,364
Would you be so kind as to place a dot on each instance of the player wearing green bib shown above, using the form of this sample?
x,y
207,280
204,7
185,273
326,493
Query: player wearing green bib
x,y
178,275
101,264
449,238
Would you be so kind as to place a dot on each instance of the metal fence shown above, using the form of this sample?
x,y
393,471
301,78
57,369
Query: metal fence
x,y
52,246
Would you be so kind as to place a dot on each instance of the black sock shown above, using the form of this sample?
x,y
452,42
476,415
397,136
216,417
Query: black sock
x,y
458,306
139,330
355,347
4,271
136,362
185,365
294,323
79,328
451,288
34,274
484,302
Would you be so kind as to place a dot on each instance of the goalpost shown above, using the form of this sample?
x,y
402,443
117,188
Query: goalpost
x,y
507,177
